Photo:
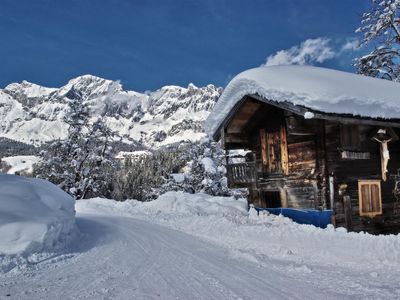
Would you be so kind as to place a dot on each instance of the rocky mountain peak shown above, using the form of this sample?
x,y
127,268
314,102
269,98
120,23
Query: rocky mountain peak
x,y
90,86
34,114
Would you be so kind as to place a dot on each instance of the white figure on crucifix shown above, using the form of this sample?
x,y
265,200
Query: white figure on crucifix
x,y
383,139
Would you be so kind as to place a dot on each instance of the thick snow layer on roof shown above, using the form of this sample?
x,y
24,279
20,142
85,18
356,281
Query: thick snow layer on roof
x,y
318,89
35,216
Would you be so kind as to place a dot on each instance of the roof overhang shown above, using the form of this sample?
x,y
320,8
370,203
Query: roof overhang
x,y
302,110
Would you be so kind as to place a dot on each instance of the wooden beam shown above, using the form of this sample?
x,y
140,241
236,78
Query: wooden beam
x,y
235,138
244,115
263,140
284,151
341,118
228,118
300,110
347,212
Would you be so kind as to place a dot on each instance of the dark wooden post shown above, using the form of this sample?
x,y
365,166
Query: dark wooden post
x,y
347,212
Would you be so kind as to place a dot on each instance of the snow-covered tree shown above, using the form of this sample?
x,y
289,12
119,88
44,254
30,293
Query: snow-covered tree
x,y
142,177
188,167
80,164
203,172
381,29
100,162
206,171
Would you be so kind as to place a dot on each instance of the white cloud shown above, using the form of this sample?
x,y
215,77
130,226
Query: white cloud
x,y
312,51
350,45
309,52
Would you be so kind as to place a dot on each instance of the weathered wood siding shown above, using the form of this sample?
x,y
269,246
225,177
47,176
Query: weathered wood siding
x,y
347,171
313,155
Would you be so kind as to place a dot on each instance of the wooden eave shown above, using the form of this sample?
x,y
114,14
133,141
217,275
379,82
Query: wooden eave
x,y
301,110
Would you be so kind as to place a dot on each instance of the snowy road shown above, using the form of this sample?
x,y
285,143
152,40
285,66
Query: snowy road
x,y
127,258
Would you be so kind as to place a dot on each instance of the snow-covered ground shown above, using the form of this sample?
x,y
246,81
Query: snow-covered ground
x,y
21,163
184,246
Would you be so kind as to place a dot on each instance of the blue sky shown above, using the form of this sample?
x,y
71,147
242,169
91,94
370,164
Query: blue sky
x,y
148,44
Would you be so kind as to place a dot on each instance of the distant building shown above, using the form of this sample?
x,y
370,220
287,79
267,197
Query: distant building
x,y
134,155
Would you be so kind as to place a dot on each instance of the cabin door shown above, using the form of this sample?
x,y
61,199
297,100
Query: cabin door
x,y
274,152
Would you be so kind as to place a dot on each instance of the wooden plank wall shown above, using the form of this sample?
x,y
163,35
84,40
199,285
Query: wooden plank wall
x,y
350,171
311,159
304,184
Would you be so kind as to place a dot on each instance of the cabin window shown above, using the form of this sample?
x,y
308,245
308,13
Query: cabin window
x,y
350,137
369,195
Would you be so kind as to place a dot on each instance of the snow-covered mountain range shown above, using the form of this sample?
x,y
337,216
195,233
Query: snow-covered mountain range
x,y
34,114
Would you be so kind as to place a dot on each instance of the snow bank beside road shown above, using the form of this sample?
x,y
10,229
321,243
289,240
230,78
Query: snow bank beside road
x,y
195,205
225,221
35,216
176,203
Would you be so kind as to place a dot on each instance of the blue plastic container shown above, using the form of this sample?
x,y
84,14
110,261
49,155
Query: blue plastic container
x,y
319,218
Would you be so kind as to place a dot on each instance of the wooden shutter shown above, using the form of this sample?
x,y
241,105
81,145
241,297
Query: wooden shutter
x,y
350,137
369,194
376,197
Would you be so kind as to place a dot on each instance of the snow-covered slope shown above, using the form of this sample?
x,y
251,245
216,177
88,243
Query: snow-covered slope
x,y
34,114
22,164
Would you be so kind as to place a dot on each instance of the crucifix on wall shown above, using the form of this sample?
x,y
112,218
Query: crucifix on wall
x,y
384,137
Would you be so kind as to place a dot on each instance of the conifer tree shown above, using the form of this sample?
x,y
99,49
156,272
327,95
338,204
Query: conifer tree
x,y
82,163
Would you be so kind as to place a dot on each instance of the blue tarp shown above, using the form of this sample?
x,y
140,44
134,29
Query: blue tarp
x,y
319,218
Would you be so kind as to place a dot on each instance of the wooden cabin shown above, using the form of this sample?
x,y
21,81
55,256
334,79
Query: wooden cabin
x,y
300,156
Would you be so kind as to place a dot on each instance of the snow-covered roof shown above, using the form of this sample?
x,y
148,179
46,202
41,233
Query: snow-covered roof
x,y
318,89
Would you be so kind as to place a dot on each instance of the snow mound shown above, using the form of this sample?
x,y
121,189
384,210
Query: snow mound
x,y
319,89
35,216
227,223
178,203
196,204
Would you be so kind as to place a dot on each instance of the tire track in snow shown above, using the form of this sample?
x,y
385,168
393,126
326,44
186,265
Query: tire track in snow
x,y
127,258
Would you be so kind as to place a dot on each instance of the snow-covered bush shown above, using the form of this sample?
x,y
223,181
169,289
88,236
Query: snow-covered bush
x,y
205,171
201,169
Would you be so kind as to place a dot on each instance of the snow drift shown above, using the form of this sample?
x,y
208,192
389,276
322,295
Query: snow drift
x,y
35,216
227,223
196,204
318,89
178,203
